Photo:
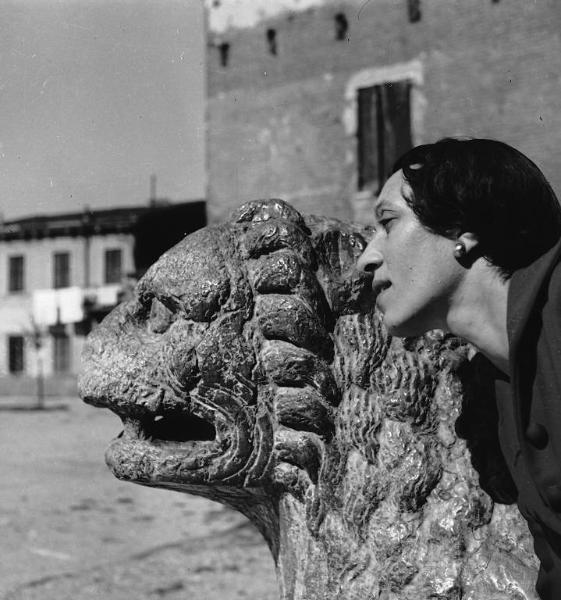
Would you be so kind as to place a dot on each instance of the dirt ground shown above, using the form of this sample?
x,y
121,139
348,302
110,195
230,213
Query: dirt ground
x,y
70,531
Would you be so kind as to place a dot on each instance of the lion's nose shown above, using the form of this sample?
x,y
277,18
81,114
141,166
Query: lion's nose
x,y
102,360
91,372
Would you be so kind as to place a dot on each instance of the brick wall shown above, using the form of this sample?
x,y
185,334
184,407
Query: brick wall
x,y
278,126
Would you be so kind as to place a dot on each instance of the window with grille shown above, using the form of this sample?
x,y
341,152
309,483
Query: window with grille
x,y
61,353
384,131
15,354
113,266
15,273
61,270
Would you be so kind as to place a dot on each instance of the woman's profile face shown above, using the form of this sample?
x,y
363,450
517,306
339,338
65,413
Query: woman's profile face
x,y
413,269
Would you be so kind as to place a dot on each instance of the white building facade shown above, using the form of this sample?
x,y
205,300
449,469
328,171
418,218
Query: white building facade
x,y
58,276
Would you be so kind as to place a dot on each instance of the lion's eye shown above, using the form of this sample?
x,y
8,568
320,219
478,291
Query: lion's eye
x,y
160,317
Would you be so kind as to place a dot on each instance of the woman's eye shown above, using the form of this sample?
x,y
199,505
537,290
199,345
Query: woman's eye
x,y
386,223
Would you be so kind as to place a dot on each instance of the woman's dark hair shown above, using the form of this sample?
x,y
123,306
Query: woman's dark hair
x,y
487,188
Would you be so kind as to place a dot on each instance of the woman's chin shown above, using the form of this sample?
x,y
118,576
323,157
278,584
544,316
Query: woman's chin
x,y
396,330
392,326
402,328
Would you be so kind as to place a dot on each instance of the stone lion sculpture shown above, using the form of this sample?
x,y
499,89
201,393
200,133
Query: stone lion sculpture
x,y
250,367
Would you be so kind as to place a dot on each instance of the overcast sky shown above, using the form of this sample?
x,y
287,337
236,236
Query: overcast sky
x,y
95,96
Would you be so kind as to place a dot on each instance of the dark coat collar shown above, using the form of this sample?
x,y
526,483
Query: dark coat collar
x,y
525,286
525,300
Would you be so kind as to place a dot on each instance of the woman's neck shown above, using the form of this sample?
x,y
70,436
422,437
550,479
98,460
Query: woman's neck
x,y
478,313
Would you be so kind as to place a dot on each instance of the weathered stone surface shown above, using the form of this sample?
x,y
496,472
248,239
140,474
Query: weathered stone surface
x,y
250,368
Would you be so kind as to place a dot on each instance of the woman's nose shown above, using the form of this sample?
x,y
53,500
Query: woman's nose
x,y
369,260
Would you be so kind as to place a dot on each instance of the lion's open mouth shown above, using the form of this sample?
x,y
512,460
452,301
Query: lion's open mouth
x,y
164,448
178,427
177,447
191,444
178,431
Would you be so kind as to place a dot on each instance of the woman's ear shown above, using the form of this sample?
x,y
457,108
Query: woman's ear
x,y
469,241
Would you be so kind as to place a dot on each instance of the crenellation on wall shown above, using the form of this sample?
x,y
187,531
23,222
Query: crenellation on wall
x,y
307,48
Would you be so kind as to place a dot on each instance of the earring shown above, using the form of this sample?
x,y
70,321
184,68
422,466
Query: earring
x,y
459,250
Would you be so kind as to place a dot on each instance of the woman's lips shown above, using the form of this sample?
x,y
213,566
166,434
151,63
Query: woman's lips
x,y
379,286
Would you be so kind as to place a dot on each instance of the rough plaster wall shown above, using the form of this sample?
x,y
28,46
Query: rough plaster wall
x,y
490,70
279,136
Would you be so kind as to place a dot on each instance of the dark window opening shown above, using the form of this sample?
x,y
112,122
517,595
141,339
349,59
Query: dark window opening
x,y
61,270
341,26
495,1
414,8
113,266
224,51
384,131
15,277
272,41
15,354
61,353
